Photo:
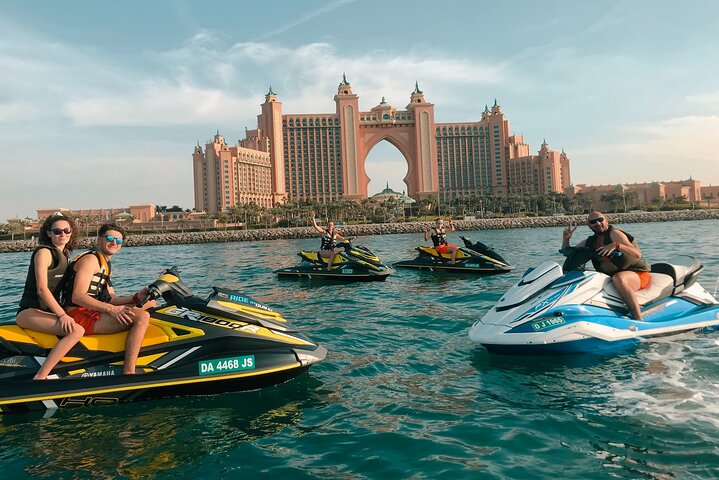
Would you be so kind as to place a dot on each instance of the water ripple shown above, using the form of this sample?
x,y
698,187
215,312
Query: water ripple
x,y
403,393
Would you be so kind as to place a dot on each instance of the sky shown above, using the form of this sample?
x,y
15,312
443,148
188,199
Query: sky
x,y
101,103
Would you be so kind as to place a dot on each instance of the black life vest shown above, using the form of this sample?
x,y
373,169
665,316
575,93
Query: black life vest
x,y
30,297
438,237
622,262
99,283
328,241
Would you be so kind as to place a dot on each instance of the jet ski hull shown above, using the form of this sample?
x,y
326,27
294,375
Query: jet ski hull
x,y
472,258
226,343
20,397
422,263
345,274
354,264
549,312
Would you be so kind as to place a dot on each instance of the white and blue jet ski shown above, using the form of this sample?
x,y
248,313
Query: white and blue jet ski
x,y
552,310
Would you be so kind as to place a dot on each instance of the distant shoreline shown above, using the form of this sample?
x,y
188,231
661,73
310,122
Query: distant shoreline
x,y
223,236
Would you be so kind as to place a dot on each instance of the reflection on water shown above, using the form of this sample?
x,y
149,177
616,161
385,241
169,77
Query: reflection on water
x,y
403,393
146,439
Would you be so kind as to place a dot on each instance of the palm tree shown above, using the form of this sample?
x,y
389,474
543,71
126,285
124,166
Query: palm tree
x,y
222,217
630,199
182,223
612,200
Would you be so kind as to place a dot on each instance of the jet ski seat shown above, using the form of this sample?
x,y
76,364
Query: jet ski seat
x,y
661,286
683,270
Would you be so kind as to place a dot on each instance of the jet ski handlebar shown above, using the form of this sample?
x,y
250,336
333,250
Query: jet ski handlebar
x,y
346,243
150,295
578,256
167,284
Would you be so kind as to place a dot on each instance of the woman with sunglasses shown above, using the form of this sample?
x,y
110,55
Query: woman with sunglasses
x,y
39,306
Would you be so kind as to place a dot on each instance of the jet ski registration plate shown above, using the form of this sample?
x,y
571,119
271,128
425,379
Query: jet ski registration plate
x,y
224,365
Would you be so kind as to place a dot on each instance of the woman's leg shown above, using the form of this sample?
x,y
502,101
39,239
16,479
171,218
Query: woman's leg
x,y
453,250
335,252
47,322
329,256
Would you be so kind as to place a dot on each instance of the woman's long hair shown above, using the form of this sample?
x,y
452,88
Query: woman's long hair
x,y
44,238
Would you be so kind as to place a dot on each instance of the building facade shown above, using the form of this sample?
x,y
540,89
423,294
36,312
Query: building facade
x,y
138,213
322,156
640,194
225,176
546,172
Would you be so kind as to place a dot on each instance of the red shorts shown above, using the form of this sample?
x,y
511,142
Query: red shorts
x,y
443,248
86,318
645,279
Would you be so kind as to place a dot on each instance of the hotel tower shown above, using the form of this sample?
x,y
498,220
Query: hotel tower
x,y
322,156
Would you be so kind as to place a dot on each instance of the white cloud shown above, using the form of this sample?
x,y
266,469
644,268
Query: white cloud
x,y
306,78
160,105
18,112
673,149
711,98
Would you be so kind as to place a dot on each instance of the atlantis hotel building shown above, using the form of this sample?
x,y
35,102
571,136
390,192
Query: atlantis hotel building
x,y
322,156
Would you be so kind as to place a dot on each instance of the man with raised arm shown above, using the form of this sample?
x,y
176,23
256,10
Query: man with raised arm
x,y
629,275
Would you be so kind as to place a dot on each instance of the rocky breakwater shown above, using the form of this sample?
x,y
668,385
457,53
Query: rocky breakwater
x,y
378,229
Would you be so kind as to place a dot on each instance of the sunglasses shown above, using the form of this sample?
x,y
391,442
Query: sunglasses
x,y
58,231
112,238
595,220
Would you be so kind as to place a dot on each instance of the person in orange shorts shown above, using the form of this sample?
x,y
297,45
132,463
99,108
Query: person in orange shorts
x,y
438,234
629,275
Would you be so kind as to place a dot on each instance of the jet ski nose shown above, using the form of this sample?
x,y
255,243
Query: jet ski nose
x,y
308,358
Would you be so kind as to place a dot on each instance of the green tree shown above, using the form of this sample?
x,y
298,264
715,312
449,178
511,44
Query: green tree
x,y
17,226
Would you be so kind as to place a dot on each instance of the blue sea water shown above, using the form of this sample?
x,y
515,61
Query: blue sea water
x,y
403,393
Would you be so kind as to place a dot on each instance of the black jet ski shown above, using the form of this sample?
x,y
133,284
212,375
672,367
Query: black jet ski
x,y
356,263
193,346
472,257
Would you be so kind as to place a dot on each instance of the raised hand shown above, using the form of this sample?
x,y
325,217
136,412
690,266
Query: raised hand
x,y
567,233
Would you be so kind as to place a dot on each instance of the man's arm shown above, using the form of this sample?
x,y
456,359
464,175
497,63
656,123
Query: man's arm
x,y
621,243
